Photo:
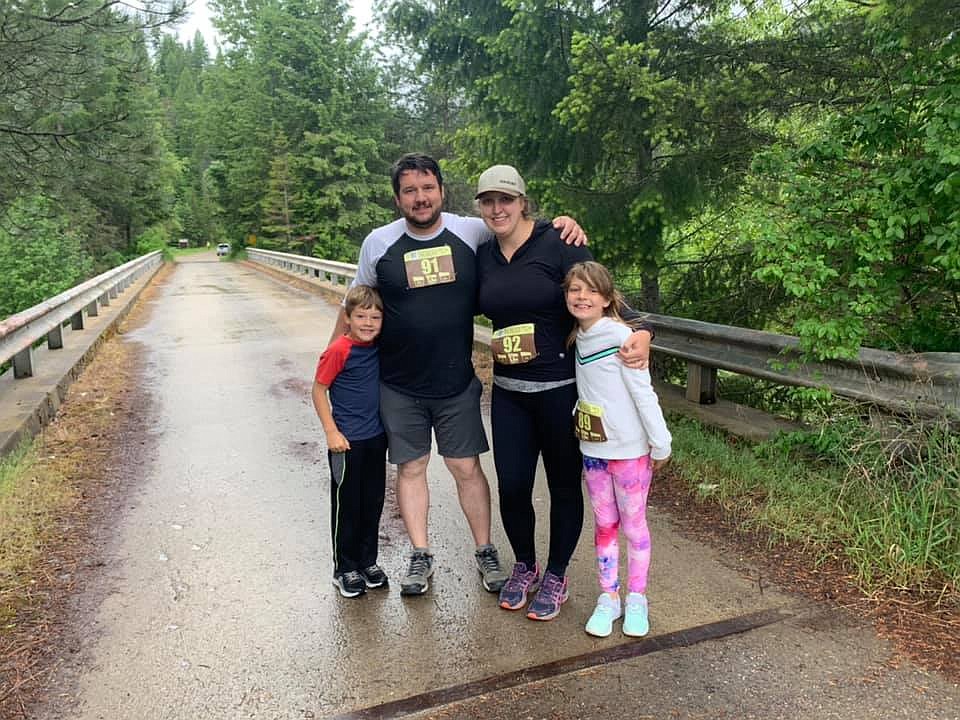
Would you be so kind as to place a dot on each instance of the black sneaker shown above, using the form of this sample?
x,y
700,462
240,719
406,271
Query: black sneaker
x,y
350,584
374,577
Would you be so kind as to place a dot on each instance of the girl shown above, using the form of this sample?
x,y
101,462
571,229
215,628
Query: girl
x,y
623,438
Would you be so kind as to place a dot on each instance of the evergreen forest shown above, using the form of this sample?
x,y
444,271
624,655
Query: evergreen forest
x,y
786,165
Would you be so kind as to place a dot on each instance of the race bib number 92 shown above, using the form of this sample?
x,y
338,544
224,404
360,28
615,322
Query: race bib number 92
x,y
514,345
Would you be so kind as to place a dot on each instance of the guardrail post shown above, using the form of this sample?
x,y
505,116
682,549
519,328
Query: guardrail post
x,y
23,364
105,299
55,338
701,384
112,291
93,309
76,321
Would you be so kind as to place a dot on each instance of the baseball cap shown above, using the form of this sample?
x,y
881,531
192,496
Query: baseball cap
x,y
501,178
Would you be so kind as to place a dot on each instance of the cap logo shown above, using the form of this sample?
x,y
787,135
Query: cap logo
x,y
501,177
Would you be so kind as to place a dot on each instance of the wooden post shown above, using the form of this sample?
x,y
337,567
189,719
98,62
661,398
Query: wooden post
x,y
701,384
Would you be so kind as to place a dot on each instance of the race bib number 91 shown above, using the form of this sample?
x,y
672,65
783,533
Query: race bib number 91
x,y
514,345
431,266
589,422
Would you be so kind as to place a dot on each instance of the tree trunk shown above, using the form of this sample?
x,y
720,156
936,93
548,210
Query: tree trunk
x,y
650,296
650,292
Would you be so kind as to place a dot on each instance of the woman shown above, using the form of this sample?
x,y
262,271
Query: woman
x,y
534,387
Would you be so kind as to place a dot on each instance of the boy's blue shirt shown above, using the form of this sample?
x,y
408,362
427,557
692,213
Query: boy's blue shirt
x,y
351,371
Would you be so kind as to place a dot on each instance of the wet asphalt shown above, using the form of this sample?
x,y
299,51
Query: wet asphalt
x,y
216,598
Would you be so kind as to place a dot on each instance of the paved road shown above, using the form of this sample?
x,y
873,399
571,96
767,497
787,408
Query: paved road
x,y
217,601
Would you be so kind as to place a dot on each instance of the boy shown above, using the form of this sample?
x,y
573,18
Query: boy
x,y
350,370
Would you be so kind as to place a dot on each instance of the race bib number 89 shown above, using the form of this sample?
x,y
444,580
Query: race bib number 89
x,y
431,266
589,423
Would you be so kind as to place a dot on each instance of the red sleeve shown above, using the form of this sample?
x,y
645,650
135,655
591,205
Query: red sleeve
x,y
332,361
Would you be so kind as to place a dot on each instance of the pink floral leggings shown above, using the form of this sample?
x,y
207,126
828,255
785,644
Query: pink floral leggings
x,y
618,492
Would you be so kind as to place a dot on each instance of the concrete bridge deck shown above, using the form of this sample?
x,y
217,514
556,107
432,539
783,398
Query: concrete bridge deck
x,y
214,599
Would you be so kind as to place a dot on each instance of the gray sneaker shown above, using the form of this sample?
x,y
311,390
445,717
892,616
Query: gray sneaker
x,y
420,568
488,563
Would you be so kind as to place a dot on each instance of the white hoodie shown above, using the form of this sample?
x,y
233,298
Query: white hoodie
x,y
630,412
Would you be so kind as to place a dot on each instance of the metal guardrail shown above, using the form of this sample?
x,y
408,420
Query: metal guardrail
x,y
21,332
926,383
337,273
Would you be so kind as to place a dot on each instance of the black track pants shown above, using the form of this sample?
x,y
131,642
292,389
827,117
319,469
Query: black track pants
x,y
526,425
357,481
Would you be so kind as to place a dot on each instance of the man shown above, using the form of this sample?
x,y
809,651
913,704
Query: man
x,y
423,264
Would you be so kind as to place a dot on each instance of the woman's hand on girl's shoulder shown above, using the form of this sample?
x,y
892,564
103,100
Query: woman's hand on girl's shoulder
x,y
635,351
570,231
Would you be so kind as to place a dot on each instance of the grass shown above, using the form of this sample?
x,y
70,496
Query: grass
x,y
886,501
34,493
191,250
237,252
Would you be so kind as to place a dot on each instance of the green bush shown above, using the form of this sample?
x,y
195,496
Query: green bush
x,y
155,237
41,254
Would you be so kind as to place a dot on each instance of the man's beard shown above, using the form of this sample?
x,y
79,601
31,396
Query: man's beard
x,y
423,224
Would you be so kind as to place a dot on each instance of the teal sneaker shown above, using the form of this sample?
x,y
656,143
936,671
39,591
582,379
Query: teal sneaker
x,y
607,610
635,621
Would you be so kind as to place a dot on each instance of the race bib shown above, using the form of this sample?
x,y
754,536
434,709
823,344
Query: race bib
x,y
589,422
514,345
431,266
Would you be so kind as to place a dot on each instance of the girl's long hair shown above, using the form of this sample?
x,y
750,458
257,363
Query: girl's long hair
x,y
597,277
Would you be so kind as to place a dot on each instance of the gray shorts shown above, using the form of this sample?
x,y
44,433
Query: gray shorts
x,y
455,421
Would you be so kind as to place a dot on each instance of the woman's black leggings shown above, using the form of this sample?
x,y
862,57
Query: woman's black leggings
x,y
525,426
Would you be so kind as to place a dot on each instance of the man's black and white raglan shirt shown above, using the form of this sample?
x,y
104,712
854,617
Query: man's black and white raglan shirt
x,y
426,344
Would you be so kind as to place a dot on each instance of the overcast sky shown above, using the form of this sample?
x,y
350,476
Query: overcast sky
x,y
199,19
